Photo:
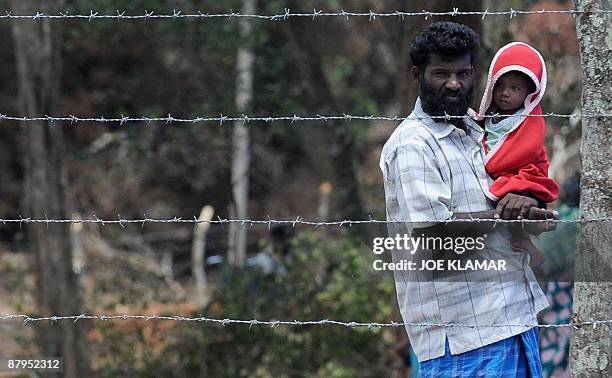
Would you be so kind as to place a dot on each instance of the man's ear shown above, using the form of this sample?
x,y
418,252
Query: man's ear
x,y
415,72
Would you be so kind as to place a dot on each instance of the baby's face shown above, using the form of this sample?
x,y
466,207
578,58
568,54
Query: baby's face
x,y
510,91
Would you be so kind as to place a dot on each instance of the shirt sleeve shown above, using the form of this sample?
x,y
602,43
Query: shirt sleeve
x,y
422,193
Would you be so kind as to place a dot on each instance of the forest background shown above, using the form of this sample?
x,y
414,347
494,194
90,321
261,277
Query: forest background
x,y
315,170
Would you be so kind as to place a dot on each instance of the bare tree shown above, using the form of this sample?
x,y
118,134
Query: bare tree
x,y
241,154
591,348
198,249
37,48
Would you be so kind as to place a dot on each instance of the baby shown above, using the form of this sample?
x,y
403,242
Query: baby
x,y
514,141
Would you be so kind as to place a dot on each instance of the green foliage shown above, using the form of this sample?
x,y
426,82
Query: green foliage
x,y
324,280
14,271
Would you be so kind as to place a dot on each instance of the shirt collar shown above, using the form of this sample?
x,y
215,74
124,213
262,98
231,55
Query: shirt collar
x,y
443,129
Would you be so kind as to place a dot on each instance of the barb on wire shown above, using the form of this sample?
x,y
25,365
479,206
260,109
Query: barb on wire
x,y
25,319
291,222
370,15
169,119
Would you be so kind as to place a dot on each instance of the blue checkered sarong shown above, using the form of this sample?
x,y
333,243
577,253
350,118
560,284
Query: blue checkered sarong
x,y
517,356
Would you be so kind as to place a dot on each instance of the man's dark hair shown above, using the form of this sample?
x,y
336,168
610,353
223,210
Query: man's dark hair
x,y
448,39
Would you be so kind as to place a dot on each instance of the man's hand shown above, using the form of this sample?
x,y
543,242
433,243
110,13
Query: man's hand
x,y
536,228
514,206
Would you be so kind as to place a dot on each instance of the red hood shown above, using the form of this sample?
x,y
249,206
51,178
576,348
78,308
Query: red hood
x,y
517,56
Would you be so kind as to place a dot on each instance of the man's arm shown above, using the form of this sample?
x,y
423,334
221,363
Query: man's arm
x,y
424,197
512,206
460,229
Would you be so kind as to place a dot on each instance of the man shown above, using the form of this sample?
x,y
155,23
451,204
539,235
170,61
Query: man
x,y
434,171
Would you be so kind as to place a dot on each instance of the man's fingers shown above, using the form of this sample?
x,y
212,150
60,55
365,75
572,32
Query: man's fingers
x,y
537,213
514,206
517,207
509,209
552,225
501,205
542,215
525,204
524,210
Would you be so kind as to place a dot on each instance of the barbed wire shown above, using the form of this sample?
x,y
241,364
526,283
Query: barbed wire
x,y
274,323
293,222
371,15
268,119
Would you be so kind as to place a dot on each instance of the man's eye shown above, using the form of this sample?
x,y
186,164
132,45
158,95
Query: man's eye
x,y
464,74
440,75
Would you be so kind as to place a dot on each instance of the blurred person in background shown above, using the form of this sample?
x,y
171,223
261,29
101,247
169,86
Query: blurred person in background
x,y
559,249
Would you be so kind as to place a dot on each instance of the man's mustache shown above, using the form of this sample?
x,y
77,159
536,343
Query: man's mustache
x,y
457,93
444,100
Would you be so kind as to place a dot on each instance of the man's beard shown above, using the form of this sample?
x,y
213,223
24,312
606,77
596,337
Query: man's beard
x,y
436,104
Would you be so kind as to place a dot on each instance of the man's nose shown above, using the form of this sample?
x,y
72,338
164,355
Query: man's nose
x,y
453,83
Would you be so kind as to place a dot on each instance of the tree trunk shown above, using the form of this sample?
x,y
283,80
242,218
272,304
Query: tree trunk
x,y
38,65
590,348
198,253
241,154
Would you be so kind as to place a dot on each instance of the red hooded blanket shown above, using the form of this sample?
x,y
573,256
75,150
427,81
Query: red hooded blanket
x,y
518,162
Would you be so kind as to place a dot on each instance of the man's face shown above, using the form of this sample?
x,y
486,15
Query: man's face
x,y
446,85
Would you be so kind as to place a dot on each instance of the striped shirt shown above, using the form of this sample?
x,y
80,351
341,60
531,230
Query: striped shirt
x,y
431,171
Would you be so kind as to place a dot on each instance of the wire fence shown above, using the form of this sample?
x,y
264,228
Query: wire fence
x,y
293,222
274,323
221,119
287,14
